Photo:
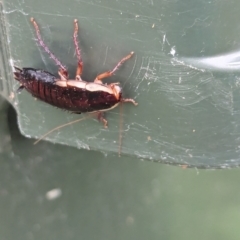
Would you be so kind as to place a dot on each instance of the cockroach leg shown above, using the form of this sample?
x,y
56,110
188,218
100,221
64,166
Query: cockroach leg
x,y
62,74
101,118
101,76
78,51
115,83
62,68
79,71
129,100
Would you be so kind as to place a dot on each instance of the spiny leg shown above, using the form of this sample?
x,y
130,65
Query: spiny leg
x,y
130,100
63,75
100,117
100,77
62,69
78,51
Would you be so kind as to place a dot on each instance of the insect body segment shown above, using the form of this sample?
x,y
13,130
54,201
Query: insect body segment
x,y
74,95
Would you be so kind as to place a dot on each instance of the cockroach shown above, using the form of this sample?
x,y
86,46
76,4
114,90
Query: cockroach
x,y
76,96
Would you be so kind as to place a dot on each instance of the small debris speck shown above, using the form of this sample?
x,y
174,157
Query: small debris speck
x,y
53,194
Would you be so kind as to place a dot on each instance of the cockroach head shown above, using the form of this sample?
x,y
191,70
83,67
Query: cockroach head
x,y
117,90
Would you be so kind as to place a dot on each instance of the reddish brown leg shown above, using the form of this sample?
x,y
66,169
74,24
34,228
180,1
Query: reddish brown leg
x,y
62,68
101,118
62,74
78,51
129,100
100,77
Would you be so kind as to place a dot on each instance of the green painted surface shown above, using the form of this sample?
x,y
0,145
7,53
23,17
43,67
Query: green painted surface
x,y
106,197
188,109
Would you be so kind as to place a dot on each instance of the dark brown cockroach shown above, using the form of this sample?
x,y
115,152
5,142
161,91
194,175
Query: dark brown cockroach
x,y
76,95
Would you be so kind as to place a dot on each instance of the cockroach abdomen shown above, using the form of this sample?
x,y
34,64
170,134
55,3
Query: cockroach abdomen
x,y
38,75
28,74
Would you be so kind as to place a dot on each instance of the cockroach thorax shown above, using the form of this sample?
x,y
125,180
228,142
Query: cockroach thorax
x,y
117,90
112,88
